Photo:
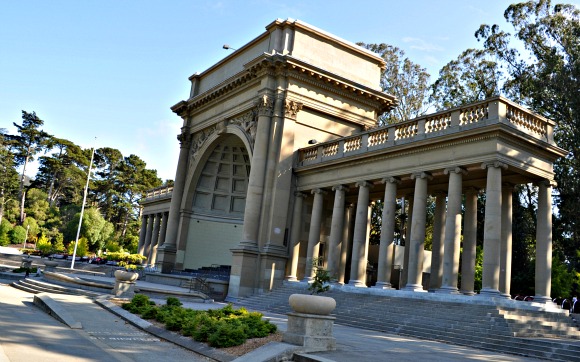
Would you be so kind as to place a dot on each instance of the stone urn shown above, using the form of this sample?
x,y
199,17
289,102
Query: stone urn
x,y
125,276
124,284
50,265
311,304
310,325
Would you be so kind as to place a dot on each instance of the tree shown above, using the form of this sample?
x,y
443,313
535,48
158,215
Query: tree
x,y
8,174
547,80
61,173
30,141
404,79
103,189
94,228
472,77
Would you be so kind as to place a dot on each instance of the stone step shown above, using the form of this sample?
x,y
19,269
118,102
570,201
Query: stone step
x,y
37,286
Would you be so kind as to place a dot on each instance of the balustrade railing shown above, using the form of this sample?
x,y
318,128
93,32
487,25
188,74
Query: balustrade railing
x,y
158,192
481,114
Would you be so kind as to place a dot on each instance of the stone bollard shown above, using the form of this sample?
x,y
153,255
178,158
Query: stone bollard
x,y
310,325
124,284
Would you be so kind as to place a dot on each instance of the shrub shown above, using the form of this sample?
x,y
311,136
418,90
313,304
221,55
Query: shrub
x,y
228,333
173,302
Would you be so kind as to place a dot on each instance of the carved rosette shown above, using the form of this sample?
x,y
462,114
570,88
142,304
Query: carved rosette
x,y
291,108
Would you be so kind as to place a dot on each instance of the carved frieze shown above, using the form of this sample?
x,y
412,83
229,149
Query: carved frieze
x,y
247,122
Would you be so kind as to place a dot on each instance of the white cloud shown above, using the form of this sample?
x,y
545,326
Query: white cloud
x,y
423,45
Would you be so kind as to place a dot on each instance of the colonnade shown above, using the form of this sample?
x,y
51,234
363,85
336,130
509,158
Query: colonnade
x,y
447,232
152,235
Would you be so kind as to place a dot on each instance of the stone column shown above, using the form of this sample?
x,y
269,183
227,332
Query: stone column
x,y
438,237
168,251
163,229
336,230
409,222
346,245
141,245
244,277
469,242
544,243
492,230
417,244
154,240
314,233
505,261
452,231
148,235
386,248
359,263
295,236
256,178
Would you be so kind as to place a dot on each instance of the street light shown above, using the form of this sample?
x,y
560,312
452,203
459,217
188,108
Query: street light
x,y
72,264
227,47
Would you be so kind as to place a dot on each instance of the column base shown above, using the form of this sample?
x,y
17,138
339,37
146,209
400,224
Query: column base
x,y
382,285
291,278
447,290
488,292
414,288
166,256
542,299
357,283
467,292
505,295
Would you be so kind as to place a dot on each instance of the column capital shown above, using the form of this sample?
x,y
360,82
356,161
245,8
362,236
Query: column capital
x,y
546,183
184,138
291,108
265,105
422,175
318,191
340,188
364,184
508,185
300,194
456,169
496,164
391,180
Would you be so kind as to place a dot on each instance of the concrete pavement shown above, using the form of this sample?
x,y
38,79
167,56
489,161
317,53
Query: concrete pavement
x,y
27,331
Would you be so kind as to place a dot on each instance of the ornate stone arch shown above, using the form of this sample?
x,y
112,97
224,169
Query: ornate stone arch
x,y
199,156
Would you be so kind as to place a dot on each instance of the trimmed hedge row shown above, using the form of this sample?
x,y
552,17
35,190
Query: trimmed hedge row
x,y
219,328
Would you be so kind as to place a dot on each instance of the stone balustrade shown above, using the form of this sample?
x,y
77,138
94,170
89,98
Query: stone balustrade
x,y
492,111
158,192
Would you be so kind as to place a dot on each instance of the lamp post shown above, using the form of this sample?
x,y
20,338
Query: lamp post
x,y
72,264
26,237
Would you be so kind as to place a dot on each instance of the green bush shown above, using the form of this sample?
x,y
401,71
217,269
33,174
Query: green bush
x,y
219,328
228,333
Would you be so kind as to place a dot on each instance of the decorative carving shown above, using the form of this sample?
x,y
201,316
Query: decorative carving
x,y
247,122
199,139
291,108
265,105
184,138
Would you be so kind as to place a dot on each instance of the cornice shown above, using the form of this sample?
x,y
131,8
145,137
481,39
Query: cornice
x,y
272,65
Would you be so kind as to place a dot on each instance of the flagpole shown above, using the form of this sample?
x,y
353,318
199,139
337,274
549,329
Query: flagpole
x,y
72,264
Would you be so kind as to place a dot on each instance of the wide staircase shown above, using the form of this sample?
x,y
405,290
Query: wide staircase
x,y
523,331
36,286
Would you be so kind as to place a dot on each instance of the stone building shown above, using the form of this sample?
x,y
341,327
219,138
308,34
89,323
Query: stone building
x,y
281,157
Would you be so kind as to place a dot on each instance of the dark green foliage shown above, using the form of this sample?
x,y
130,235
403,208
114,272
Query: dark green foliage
x,y
173,302
219,328
321,281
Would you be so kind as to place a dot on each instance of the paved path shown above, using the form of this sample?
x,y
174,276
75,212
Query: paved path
x,y
29,334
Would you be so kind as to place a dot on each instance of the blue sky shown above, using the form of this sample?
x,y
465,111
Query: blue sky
x,y
111,69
